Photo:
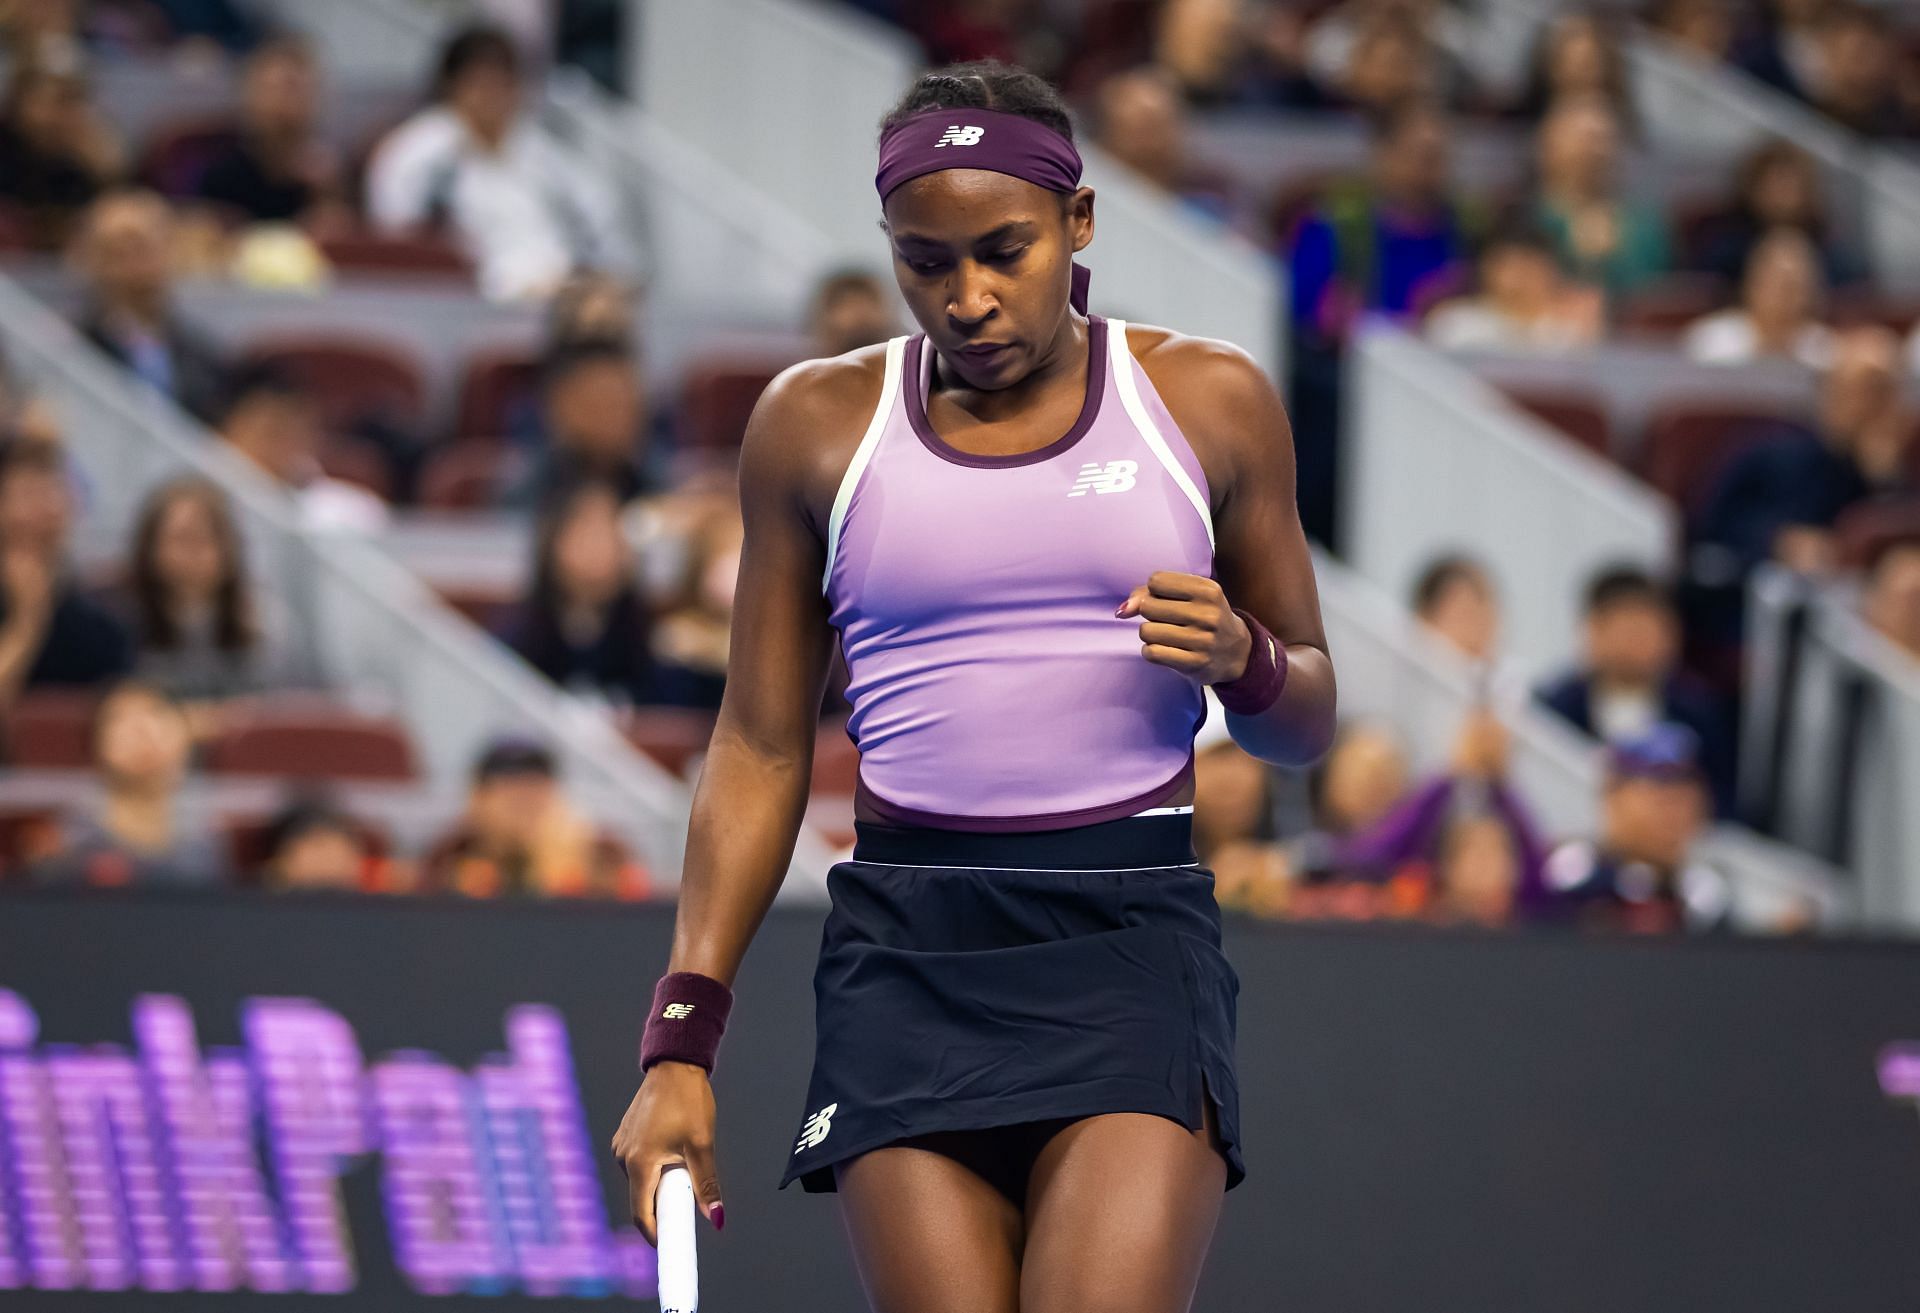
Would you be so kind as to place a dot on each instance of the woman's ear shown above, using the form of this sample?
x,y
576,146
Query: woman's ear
x,y
1080,218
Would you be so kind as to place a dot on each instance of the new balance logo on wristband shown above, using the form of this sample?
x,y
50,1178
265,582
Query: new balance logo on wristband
x,y
816,1127
677,1011
1114,476
959,136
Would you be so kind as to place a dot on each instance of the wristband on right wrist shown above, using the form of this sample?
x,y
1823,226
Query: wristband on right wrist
x,y
689,1016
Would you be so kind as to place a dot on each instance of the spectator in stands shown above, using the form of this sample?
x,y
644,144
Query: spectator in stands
x,y
520,836
1355,786
275,168
205,636
1426,847
51,633
1704,29
56,154
851,308
592,307
1891,602
1629,678
1779,499
126,257
144,827
1142,121
526,210
1232,797
1456,602
1524,302
312,846
226,25
691,640
273,421
1778,316
1393,62
1388,241
583,623
34,31
595,425
1778,186
1639,875
1200,43
1579,57
1602,235
1858,63
1431,30
1786,51
1012,31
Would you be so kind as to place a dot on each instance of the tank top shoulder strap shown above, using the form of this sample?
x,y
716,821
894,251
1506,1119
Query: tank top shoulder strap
x,y
1153,422
863,454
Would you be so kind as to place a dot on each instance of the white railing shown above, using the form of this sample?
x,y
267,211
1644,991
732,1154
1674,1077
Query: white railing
x,y
1435,460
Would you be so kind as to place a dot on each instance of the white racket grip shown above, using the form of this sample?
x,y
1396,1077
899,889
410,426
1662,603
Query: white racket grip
x,y
679,1267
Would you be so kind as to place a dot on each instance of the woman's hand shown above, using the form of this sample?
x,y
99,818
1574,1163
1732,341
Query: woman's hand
x,y
669,1123
1187,624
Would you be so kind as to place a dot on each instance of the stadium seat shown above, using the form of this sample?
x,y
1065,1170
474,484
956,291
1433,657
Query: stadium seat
x,y
354,461
1663,308
312,741
27,834
717,398
1687,446
16,231
672,736
374,253
352,378
496,384
467,475
1579,413
52,729
1870,528
1860,306
490,608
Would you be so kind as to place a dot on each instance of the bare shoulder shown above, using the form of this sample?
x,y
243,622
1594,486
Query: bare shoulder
x,y
1223,400
807,425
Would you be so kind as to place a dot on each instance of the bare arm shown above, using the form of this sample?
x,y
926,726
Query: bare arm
x,y
1232,412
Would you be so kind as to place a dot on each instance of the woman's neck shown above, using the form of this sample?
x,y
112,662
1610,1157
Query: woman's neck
x,y
141,816
1067,356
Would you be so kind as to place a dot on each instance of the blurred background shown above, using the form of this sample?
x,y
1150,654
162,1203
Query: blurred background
x,y
372,374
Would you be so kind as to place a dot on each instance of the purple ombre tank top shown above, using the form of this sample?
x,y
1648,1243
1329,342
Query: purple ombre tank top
x,y
992,686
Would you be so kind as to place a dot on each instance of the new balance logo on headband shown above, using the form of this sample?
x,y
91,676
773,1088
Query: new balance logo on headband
x,y
959,136
1114,476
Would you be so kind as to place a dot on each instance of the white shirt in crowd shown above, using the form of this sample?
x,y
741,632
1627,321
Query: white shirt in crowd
x,y
336,506
1471,324
528,214
1728,338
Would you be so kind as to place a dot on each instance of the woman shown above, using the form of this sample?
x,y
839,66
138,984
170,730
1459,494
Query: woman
x,y
203,638
55,154
1011,520
583,624
1778,317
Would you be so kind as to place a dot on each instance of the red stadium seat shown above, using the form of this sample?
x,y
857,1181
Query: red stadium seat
x,y
468,475
490,608
351,378
1663,308
313,741
359,463
496,384
27,835
1579,413
1687,446
718,397
1867,530
52,729
672,736
374,253
1861,307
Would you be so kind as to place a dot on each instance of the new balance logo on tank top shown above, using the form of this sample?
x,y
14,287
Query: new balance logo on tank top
x,y
992,686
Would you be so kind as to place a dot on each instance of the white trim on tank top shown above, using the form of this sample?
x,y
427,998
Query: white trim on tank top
x,y
889,395
1122,371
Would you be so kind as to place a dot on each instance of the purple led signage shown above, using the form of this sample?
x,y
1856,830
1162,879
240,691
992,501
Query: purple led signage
x,y
170,1168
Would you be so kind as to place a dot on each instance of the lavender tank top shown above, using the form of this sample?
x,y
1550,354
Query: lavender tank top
x,y
992,686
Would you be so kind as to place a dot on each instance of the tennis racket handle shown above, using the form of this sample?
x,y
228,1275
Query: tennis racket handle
x,y
678,1265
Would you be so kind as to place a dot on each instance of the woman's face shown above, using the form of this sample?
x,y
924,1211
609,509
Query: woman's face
x,y
1784,192
187,550
985,263
1479,869
1581,58
143,740
51,110
589,552
1366,774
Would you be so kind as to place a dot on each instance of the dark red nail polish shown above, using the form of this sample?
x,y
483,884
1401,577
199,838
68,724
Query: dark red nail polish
x,y
719,1218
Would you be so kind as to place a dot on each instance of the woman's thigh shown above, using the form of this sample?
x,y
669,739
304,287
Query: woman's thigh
x,y
1120,1212
929,1235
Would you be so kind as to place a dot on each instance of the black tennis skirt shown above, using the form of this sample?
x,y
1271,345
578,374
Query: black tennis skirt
x,y
974,981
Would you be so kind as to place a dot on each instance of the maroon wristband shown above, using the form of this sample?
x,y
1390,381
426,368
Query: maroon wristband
x,y
689,1016
1259,685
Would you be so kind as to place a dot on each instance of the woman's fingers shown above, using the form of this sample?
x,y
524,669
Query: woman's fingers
x,y
706,1181
643,1181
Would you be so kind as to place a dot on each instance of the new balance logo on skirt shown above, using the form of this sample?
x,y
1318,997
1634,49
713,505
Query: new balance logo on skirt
x,y
816,1127
959,136
1114,476
677,1011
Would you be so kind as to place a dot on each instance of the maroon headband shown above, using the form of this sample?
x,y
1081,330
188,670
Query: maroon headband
x,y
990,139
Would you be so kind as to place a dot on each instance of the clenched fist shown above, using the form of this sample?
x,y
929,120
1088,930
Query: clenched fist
x,y
1187,623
